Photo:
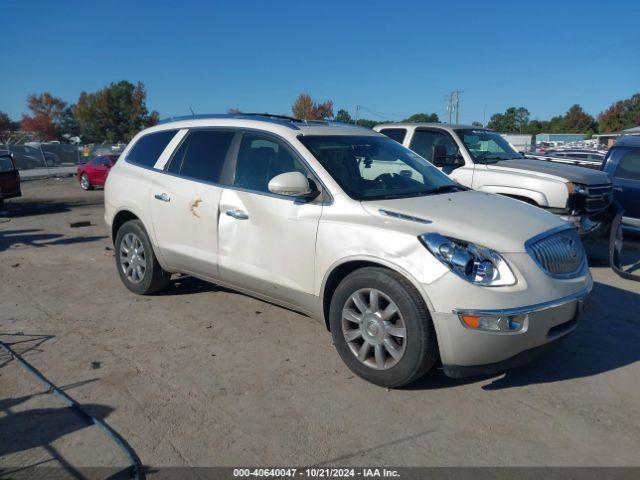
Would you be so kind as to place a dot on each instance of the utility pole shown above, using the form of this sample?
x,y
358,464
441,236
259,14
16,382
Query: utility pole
x,y
357,113
453,100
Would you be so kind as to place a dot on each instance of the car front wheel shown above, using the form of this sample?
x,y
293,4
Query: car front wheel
x,y
136,262
382,328
85,183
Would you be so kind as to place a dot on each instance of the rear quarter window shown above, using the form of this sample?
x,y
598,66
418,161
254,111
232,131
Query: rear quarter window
x,y
397,134
148,148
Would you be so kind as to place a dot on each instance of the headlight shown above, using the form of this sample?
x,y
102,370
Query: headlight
x,y
472,262
576,188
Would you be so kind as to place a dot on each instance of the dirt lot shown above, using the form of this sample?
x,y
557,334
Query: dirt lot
x,y
203,376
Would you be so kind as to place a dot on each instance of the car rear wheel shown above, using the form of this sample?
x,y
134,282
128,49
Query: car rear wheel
x,y
137,264
85,183
382,328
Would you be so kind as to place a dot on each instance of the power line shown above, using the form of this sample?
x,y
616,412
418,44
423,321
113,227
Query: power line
x,y
453,100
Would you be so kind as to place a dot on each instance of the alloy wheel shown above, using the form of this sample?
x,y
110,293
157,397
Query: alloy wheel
x,y
133,260
373,328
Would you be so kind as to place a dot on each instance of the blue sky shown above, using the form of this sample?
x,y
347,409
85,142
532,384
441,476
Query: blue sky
x,y
392,57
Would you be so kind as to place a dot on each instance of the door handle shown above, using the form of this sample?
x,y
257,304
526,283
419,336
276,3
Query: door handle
x,y
617,189
237,214
164,197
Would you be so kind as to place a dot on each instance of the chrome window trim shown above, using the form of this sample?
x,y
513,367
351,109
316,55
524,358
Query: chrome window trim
x,y
325,197
538,307
168,151
550,233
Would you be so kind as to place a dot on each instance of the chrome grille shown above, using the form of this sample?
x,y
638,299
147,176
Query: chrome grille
x,y
598,197
558,254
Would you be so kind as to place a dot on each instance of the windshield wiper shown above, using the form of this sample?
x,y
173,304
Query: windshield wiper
x,y
445,188
422,193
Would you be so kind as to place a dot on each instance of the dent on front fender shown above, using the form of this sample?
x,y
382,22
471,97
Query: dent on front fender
x,y
354,235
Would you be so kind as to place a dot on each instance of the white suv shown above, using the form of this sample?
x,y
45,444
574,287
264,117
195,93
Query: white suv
x,y
341,223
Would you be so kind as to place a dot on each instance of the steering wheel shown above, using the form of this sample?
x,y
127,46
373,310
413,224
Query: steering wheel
x,y
385,179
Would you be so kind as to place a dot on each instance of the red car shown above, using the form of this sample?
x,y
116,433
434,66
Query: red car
x,y
94,172
9,177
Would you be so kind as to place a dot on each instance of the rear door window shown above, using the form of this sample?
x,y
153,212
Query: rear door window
x,y
202,154
148,148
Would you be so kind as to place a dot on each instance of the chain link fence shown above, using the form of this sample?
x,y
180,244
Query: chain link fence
x,y
55,156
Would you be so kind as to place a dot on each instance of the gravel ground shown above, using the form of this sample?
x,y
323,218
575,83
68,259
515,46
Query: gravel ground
x,y
203,376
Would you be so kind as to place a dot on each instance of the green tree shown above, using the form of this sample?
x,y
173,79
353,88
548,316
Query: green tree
x,y
6,126
477,124
46,116
621,115
423,118
513,120
576,120
305,108
115,113
343,116
68,124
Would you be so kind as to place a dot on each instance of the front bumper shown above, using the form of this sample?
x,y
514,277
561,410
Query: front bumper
x,y
595,225
465,351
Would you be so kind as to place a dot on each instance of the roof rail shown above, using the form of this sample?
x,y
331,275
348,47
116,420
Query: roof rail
x,y
266,117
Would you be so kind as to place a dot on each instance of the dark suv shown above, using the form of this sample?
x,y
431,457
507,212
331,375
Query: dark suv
x,y
622,163
9,178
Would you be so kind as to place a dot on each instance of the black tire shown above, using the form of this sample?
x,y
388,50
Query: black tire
x,y
421,349
88,186
154,278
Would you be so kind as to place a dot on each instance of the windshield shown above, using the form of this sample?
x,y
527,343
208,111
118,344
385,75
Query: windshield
x,y
486,146
374,168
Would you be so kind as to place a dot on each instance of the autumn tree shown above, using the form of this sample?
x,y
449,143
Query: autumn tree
x,y
115,113
305,108
46,116
621,115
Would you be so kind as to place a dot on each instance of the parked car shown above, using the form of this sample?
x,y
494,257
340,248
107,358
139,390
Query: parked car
x,y
9,178
94,172
573,156
481,159
25,157
622,163
401,263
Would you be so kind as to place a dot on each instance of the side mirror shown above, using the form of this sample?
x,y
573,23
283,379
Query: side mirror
x,y
292,184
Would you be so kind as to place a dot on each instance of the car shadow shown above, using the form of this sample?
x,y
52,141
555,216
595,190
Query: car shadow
x,y
25,208
606,339
34,238
187,285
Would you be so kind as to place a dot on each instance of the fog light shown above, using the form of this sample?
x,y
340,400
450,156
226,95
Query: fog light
x,y
494,323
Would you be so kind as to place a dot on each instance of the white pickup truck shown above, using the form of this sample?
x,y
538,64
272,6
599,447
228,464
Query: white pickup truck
x,y
481,159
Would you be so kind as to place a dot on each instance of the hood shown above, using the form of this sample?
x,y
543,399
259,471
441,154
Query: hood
x,y
559,171
493,221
